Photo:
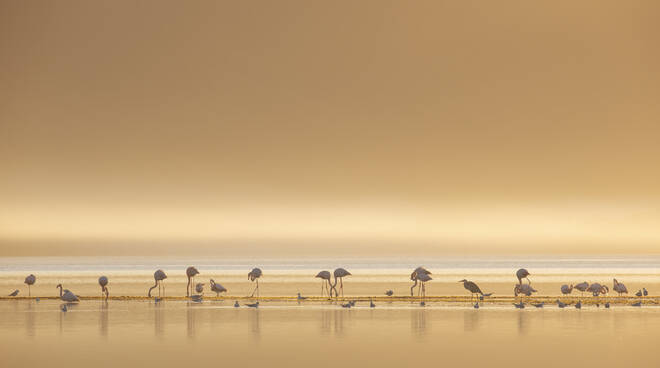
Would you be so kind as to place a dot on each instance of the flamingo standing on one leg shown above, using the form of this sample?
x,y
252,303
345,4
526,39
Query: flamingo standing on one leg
x,y
325,282
254,275
159,276
191,272
103,282
339,273
30,280
217,288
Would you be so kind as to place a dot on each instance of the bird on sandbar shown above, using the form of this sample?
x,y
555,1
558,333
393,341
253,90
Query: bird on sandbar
x,y
389,293
339,273
300,297
582,287
159,276
190,273
619,287
646,293
199,288
520,305
522,274
253,305
29,281
472,288
371,304
67,295
560,304
565,289
539,305
326,286
578,305
254,275
476,305
217,288
638,304
14,293
236,305
103,282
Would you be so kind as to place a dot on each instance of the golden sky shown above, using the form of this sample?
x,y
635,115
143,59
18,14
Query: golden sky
x,y
456,126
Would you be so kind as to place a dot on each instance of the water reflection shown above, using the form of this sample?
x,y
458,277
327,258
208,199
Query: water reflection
x,y
190,319
332,321
254,323
418,322
523,323
103,319
30,315
159,315
471,320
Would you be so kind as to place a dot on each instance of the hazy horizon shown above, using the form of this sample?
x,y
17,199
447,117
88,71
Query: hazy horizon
x,y
306,127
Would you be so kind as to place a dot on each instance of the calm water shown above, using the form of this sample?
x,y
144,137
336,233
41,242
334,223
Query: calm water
x,y
178,333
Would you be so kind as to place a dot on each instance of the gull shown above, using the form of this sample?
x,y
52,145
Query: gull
x,y
560,304
253,305
14,293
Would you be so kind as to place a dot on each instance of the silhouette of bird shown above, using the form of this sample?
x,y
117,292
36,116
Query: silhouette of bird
x,y
389,293
339,273
67,295
30,280
578,305
236,305
560,304
523,289
476,305
638,304
253,305
582,287
300,297
14,293
346,305
565,289
217,288
472,288
254,275
646,293
414,276
520,305
639,293
607,305
422,303
597,289
619,288
159,276
190,273
325,282
539,305
522,274
371,303
103,282
199,288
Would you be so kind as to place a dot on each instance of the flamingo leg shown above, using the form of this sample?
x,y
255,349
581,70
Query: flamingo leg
x,y
341,283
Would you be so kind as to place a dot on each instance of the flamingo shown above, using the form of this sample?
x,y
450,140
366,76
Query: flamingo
x,y
103,282
339,273
423,277
159,276
565,289
254,275
30,280
583,286
217,288
67,295
325,281
415,275
619,288
190,272
199,288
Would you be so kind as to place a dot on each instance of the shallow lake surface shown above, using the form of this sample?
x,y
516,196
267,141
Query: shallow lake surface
x,y
397,334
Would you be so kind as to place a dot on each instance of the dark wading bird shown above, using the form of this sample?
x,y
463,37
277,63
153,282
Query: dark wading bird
x,y
522,274
520,305
523,289
638,304
325,282
30,280
565,289
159,276
14,293
339,273
253,305
597,289
578,305
103,282
254,275
639,293
414,276
371,303
472,288
190,273
199,288
217,288
67,295
582,287
389,293
646,293
539,305
560,304
619,288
